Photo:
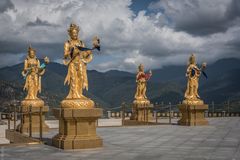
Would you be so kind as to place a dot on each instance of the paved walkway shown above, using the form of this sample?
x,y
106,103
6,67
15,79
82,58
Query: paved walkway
x,y
218,141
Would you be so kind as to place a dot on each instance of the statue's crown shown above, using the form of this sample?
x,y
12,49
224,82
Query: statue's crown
x,y
30,48
72,27
140,66
192,59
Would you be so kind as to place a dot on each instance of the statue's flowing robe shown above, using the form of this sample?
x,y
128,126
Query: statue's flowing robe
x,y
192,74
141,85
33,78
77,68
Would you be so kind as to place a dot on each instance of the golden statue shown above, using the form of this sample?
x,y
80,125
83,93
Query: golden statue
x,y
193,73
32,73
141,79
76,57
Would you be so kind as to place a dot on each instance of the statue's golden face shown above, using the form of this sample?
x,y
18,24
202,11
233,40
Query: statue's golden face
x,y
31,53
74,34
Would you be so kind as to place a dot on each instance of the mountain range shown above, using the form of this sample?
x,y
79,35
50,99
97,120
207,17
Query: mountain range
x,y
109,89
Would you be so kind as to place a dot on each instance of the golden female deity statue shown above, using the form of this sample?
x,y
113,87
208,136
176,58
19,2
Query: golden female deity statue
x,y
141,79
76,57
193,73
77,130
32,73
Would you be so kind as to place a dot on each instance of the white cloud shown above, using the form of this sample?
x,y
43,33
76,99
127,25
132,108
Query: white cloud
x,y
127,39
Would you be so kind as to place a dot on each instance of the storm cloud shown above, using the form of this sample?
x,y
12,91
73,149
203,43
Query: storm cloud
x,y
199,17
5,5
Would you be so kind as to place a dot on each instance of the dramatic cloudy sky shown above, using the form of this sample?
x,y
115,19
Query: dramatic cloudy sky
x,y
153,32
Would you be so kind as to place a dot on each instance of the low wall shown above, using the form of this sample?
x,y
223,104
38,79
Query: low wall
x,y
17,137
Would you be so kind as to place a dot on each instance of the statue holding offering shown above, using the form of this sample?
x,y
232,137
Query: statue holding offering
x,y
193,108
77,128
76,57
141,79
193,73
141,108
32,73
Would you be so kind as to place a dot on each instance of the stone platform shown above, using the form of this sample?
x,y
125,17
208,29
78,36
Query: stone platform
x,y
25,128
193,115
142,112
218,141
77,128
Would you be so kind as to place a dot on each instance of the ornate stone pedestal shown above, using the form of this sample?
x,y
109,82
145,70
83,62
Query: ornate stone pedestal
x,y
35,106
77,127
142,111
192,115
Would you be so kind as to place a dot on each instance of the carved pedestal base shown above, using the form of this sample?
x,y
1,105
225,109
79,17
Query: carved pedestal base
x,y
24,126
142,111
78,103
192,115
77,128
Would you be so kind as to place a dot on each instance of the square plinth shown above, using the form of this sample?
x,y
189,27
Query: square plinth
x,y
77,128
142,113
34,118
192,115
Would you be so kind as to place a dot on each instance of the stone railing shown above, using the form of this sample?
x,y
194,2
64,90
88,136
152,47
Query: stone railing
x,y
119,114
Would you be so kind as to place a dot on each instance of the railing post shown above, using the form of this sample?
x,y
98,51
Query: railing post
x,y
97,106
123,113
14,114
228,105
170,110
9,116
155,115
